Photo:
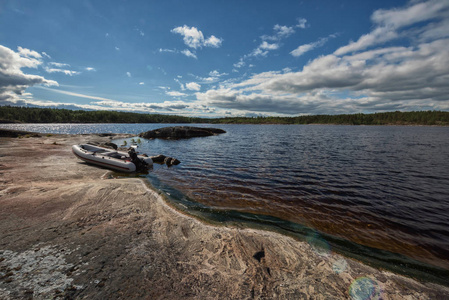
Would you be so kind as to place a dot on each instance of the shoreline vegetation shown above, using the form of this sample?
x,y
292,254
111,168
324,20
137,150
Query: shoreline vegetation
x,y
69,230
14,114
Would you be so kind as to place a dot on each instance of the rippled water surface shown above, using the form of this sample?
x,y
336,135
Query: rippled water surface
x,y
385,187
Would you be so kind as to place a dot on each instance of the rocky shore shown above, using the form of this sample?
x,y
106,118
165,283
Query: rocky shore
x,y
69,230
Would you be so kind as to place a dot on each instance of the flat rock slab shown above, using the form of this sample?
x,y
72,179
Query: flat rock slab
x,y
180,132
69,230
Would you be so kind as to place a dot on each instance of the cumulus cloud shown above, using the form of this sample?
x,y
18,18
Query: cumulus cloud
x,y
193,86
194,38
24,52
213,41
267,46
410,72
13,82
283,31
284,104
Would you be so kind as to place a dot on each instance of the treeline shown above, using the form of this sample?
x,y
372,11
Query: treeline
x,y
13,114
440,118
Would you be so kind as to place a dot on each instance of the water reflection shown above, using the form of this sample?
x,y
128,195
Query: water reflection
x,y
382,187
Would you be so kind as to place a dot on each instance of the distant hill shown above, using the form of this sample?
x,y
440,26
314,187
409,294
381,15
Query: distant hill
x,y
13,114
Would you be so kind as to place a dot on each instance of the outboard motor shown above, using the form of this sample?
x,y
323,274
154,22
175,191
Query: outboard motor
x,y
141,165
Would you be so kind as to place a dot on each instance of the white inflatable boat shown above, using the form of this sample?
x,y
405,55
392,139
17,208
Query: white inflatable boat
x,y
109,158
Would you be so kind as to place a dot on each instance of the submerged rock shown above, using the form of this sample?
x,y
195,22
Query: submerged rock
x,y
162,159
158,158
170,161
180,132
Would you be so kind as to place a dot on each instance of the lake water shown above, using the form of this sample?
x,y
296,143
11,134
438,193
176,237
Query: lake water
x,y
376,193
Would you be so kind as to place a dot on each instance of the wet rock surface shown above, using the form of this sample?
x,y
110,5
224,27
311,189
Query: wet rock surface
x,y
69,230
180,132
17,133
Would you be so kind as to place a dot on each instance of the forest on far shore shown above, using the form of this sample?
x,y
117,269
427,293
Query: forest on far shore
x,y
14,114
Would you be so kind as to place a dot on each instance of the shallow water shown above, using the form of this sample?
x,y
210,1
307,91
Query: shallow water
x,y
385,187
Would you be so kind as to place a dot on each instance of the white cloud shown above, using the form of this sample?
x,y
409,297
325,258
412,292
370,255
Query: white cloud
x,y
214,76
267,46
389,22
358,78
258,52
283,31
58,65
55,67
13,82
128,74
141,83
240,63
213,41
24,52
185,52
189,53
181,85
176,94
179,107
194,38
167,50
46,55
90,69
301,23
280,32
117,48
308,47
56,70
193,86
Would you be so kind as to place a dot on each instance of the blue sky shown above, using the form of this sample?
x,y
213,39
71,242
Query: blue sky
x,y
226,58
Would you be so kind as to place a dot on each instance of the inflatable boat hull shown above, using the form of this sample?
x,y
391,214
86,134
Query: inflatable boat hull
x,y
108,158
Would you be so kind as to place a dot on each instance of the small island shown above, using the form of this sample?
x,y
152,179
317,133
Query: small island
x,y
180,132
